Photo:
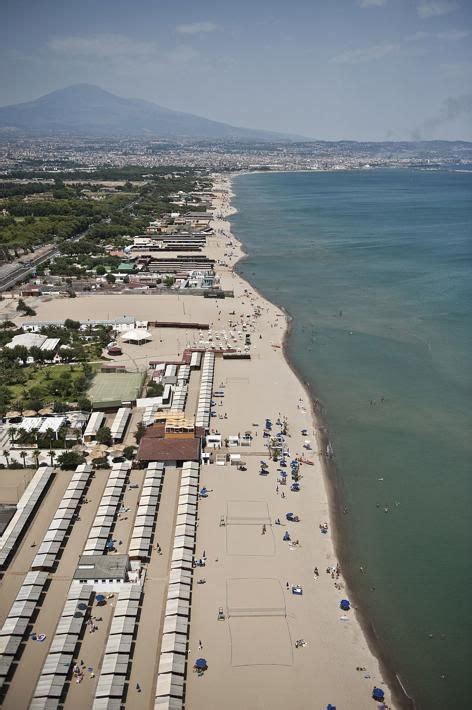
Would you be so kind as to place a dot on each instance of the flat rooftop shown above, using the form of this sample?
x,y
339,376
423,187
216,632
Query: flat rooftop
x,y
102,567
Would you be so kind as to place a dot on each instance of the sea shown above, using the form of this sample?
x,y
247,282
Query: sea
x,y
374,267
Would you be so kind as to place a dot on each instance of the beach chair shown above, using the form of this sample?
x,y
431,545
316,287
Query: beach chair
x,y
221,614
222,521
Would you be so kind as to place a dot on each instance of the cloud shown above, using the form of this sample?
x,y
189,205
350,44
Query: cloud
x,y
365,54
447,36
195,28
451,109
435,8
372,3
102,46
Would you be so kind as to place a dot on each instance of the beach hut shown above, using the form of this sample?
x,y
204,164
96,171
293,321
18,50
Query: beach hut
x,y
170,684
172,663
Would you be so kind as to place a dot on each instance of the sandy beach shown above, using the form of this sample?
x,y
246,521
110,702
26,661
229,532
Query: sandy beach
x,y
253,659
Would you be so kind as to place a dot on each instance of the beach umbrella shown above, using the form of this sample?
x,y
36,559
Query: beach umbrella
x,y
45,411
345,604
99,598
201,664
378,694
82,606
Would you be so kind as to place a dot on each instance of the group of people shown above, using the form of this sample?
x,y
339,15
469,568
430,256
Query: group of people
x,y
78,672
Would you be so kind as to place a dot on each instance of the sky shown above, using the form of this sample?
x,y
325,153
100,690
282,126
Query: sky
x,y
325,69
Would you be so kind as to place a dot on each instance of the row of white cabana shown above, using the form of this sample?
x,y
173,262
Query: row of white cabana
x,y
52,680
54,538
107,510
183,374
172,661
206,386
18,620
179,396
24,511
113,673
144,521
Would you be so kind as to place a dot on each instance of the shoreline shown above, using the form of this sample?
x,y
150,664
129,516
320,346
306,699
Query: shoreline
x,y
329,469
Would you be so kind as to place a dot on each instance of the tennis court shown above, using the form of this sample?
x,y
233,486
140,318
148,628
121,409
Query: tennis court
x,y
111,389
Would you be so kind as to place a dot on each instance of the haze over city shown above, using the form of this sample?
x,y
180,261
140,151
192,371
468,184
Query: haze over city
x,y
351,69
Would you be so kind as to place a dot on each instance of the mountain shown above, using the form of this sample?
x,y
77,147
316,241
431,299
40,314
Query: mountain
x,y
85,109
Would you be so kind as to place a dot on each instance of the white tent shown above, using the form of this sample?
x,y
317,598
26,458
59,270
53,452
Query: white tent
x,y
137,336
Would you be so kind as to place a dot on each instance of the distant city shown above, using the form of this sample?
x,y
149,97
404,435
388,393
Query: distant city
x,y
33,156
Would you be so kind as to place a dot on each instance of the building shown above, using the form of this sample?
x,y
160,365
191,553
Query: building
x,y
30,340
172,443
102,569
93,425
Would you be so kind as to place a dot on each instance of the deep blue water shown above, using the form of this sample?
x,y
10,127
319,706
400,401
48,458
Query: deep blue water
x,y
376,269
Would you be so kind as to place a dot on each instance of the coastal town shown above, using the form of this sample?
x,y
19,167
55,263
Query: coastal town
x,y
166,536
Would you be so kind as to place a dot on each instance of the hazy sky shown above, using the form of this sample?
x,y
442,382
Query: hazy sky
x,y
330,69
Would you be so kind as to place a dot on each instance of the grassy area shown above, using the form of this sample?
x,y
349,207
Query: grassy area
x,y
59,383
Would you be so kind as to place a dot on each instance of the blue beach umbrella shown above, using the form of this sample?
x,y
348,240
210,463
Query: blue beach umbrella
x,y
345,604
99,598
201,664
378,694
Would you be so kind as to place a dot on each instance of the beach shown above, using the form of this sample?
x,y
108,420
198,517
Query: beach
x,y
261,594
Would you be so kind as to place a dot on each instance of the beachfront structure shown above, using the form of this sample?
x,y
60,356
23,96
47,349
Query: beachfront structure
x,y
136,336
115,323
18,620
53,540
119,424
206,386
143,530
173,442
182,263
24,512
93,425
102,569
30,340
41,424
195,360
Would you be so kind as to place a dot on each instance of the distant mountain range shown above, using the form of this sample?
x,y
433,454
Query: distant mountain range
x,y
85,109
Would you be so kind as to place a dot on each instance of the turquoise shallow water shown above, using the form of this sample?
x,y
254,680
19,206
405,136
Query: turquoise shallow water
x,y
375,268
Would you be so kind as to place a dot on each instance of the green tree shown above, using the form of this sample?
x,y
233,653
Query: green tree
x,y
110,278
6,456
84,403
140,431
21,353
129,452
22,307
104,436
5,399
37,354
69,460
100,270
23,457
